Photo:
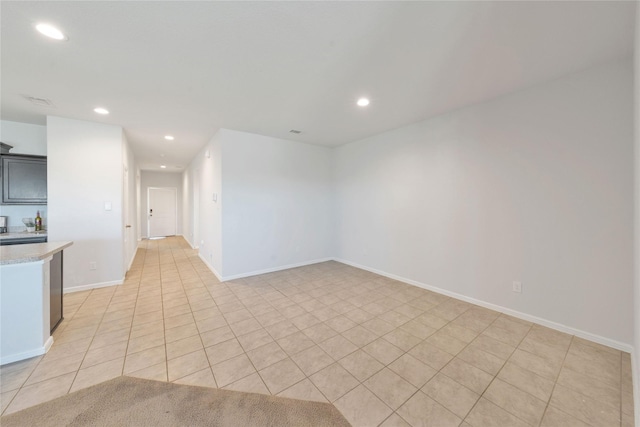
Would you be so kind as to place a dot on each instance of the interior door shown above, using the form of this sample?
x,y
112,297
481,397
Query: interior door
x,y
161,214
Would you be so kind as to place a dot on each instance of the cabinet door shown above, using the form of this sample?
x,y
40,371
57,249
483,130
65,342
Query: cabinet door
x,y
24,180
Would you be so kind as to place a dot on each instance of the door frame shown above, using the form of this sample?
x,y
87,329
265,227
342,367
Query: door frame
x,y
175,204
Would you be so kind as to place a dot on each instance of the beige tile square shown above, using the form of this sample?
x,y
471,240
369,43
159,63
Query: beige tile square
x,y
340,323
255,339
492,346
488,414
361,365
362,408
378,326
412,370
334,381
295,343
421,410
54,368
232,370
418,329
210,323
431,355
14,379
527,381
312,359
184,346
181,332
319,333
104,354
481,359
41,392
383,351
515,401
450,394
556,418
543,367
337,347
467,375
110,338
584,408
359,336
304,390
186,365
96,374
216,336
390,387
223,351
401,339
266,355
6,398
281,375
203,378
249,384
245,326
446,342
144,359
395,420
281,329
145,342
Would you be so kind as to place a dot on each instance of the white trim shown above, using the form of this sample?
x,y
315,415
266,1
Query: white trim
x,y
210,267
133,256
553,325
92,286
636,387
271,270
28,354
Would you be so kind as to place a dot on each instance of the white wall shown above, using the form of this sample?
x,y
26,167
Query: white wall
x,y
25,139
203,224
276,208
163,180
536,186
130,204
85,170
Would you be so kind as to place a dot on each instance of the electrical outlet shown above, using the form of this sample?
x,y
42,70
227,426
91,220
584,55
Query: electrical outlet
x,y
517,287
92,265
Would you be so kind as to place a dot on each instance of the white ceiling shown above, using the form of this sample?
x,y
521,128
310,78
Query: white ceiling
x,y
189,68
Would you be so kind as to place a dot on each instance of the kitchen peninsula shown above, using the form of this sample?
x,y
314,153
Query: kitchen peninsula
x,y
27,275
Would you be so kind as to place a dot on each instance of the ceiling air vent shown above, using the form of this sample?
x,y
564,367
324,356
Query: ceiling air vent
x,y
40,102
297,132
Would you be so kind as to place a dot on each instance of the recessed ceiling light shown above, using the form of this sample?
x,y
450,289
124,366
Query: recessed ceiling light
x,y
363,102
51,31
169,137
101,110
163,166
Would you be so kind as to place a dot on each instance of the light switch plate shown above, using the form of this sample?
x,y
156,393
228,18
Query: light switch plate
x,y
107,206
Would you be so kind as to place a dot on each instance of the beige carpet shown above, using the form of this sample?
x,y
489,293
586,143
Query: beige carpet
x,y
126,401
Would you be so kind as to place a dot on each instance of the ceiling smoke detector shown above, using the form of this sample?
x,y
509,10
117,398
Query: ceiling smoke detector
x,y
40,102
297,132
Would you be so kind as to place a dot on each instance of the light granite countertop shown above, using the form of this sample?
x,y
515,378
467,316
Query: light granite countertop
x,y
22,234
18,254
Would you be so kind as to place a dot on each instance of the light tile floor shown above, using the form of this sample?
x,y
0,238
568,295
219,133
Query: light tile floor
x,y
383,352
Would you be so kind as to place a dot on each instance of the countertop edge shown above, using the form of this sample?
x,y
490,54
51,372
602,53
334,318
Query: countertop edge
x,y
21,254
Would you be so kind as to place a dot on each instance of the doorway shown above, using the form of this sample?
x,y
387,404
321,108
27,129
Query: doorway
x,y
161,212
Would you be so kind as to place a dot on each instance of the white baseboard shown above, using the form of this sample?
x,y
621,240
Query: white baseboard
x,y
92,286
27,354
636,387
273,269
524,316
210,267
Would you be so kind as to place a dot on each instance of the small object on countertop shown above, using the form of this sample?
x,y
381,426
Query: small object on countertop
x,y
28,222
38,221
